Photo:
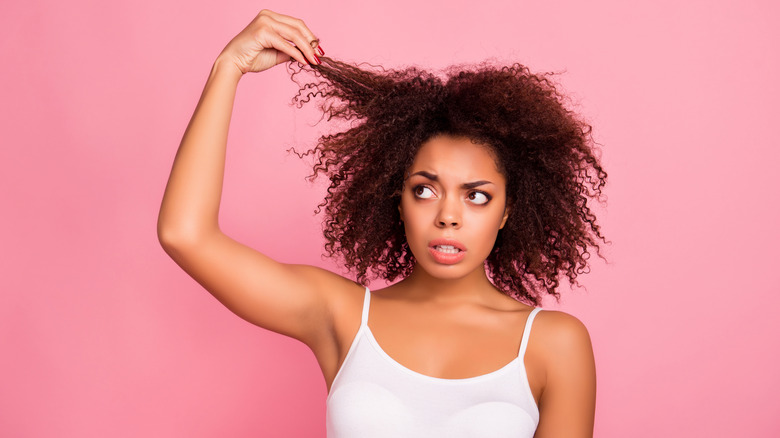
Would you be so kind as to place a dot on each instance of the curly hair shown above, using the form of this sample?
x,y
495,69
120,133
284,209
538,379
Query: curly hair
x,y
544,150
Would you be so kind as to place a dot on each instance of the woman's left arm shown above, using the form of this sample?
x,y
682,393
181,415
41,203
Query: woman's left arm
x,y
568,400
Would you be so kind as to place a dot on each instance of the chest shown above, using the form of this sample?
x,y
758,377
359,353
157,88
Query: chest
x,y
452,345
375,395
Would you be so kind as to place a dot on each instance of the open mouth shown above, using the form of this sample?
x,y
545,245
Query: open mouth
x,y
447,249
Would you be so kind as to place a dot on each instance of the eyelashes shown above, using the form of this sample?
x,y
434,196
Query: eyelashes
x,y
476,197
423,192
479,198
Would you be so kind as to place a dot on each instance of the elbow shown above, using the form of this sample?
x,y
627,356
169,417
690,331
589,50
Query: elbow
x,y
177,238
170,238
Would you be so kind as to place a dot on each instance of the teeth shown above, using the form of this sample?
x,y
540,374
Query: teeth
x,y
448,249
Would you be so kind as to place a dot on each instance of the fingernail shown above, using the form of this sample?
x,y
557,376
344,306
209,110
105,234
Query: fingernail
x,y
322,52
318,59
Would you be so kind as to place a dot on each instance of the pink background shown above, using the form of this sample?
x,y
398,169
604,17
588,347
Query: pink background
x,y
102,335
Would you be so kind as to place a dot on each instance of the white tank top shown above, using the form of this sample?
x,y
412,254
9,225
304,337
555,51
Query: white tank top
x,y
375,396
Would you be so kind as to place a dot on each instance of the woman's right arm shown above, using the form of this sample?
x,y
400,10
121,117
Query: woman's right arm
x,y
287,299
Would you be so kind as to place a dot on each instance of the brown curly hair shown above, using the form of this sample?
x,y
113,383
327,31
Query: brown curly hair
x,y
544,150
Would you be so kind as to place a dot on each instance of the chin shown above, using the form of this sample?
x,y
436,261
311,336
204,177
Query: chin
x,y
449,272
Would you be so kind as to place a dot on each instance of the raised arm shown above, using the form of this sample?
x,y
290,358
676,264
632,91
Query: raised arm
x,y
287,299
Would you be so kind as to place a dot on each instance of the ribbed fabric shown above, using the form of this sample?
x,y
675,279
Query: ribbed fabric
x,y
373,396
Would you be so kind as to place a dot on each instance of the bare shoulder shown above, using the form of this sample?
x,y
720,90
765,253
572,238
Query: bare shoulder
x,y
559,346
562,375
324,279
560,332
342,300
338,292
559,343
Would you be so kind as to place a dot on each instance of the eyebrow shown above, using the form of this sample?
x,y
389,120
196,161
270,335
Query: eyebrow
x,y
468,185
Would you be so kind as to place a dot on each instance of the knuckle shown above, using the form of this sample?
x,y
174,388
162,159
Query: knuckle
x,y
264,22
264,33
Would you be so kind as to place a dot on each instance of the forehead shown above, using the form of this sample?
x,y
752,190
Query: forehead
x,y
446,155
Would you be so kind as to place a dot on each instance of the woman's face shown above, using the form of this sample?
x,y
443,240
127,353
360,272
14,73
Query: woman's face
x,y
453,204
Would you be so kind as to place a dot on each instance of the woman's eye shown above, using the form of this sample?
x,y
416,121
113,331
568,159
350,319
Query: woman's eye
x,y
478,198
423,192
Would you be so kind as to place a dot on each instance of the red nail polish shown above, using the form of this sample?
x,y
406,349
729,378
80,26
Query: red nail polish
x,y
319,49
318,59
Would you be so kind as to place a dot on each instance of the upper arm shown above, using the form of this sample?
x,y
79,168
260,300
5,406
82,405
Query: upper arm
x,y
568,399
293,300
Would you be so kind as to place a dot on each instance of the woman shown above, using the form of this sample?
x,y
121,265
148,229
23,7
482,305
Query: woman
x,y
436,182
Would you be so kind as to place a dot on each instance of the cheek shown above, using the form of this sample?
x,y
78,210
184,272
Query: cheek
x,y
412,213
415,220
485,228
412,224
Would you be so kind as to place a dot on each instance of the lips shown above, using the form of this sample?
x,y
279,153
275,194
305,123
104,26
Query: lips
x,y
447,251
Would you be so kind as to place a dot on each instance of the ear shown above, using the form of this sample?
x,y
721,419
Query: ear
x,y
506,216
401,211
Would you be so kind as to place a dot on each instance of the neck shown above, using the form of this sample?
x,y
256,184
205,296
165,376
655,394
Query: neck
x,y
475,286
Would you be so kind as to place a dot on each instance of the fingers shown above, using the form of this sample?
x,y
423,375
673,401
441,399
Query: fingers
x,y
271,39
296,23
295,31
284,48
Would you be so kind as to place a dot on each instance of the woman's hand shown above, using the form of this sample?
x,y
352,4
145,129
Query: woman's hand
x,y
271,39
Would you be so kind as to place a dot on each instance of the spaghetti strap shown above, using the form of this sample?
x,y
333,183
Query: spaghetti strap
x,y
527,331
366,303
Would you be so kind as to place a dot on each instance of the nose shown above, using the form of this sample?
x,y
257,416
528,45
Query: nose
x,y
449,214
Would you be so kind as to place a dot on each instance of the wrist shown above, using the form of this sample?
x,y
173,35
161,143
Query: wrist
x,y
226,68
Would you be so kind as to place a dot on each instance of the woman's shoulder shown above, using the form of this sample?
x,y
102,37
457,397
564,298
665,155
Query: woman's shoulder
x,y
559,337
340,294
335,285
562,374
558,322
